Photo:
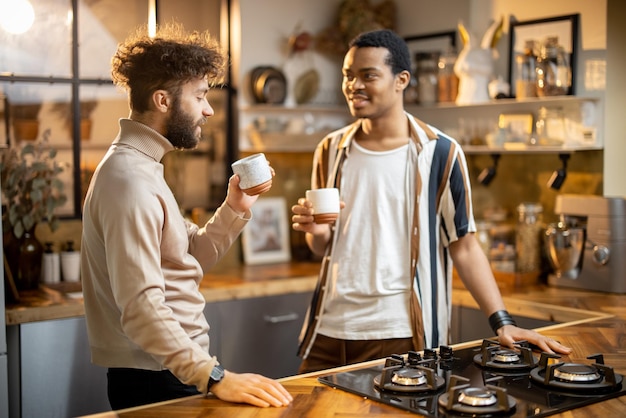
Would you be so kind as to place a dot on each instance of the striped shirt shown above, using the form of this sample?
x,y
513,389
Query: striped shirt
x,y
438,213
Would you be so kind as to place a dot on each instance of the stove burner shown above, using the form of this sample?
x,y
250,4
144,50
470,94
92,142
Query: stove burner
x,y
476,401
493,356
477,397
505,356
572,372
413,375
576,377
408,377
464,383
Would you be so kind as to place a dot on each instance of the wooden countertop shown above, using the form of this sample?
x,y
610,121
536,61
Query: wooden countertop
x,y
598,325
64,300
592,323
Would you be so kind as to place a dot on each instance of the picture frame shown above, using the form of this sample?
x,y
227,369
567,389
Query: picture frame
x,y
565,27
265,239
431,42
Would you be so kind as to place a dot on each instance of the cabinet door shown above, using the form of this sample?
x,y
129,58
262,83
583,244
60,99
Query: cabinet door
x,y
258,335
54,376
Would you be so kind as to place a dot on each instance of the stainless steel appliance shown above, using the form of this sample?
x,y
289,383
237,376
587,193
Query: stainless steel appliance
x,y
588,247
483,381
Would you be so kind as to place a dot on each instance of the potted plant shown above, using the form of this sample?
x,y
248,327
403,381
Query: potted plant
x,y
86,109
25,121
32,191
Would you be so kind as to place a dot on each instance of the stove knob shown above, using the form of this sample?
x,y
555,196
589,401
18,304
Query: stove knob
x,y
429,353
445,352
601,254
414,357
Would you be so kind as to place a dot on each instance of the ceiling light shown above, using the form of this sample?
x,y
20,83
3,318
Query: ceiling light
x,y
16,16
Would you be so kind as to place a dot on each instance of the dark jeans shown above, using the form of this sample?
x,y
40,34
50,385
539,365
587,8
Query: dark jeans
x,y
133,387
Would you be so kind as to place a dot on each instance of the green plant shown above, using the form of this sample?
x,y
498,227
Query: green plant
x,y
31,185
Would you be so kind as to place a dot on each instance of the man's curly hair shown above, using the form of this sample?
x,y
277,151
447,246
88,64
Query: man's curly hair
x,y
173,57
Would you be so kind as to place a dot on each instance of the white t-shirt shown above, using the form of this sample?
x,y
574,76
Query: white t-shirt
x,y
368,291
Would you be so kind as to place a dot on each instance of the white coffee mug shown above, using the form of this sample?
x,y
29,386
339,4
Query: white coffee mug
x,y
325,204
255,175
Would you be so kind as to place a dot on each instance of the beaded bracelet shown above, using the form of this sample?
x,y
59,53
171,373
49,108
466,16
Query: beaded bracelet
x,y
499,319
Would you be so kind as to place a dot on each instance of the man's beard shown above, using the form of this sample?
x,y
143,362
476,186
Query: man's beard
x,y
181,129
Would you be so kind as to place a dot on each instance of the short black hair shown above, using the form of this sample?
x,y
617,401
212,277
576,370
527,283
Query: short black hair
x,y
399,58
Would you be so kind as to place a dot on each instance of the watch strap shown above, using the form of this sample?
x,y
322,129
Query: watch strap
x,y
217,374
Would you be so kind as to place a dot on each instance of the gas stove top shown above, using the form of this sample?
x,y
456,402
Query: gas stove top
x,y
483,381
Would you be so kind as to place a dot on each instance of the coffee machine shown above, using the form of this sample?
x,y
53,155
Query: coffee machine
x,y
587,248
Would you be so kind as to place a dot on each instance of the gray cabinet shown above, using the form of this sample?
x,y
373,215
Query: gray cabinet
x,y
50,371
258,335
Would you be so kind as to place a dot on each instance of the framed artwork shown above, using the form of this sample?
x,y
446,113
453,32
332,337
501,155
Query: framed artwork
x,y
266,237
437,42
431,42
564,27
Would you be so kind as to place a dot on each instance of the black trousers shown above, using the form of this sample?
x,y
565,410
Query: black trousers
x,y
133,387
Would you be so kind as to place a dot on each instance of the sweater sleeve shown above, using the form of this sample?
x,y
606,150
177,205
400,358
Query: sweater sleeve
x,y
209,243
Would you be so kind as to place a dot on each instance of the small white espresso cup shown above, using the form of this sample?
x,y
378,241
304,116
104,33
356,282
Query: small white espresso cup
x,y
254,174
325,204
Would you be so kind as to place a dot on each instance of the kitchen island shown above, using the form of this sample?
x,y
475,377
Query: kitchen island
x,y
590,323
258,307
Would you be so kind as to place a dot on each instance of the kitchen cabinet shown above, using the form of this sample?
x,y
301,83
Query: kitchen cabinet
x,y
258,335
50,371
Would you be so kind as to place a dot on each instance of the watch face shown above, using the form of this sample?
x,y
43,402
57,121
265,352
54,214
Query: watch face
x,y
217,373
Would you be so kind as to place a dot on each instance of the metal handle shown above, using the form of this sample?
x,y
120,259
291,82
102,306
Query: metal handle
x,y
276,319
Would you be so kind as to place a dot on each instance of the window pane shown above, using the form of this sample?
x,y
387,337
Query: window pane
x,y
41,113
43,48
101,109
102,25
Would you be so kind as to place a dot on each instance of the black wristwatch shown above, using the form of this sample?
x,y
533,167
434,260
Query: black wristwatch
x,y
217,374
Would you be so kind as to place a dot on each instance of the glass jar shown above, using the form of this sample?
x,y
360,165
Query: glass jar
x,y
554,74
526,76
550,126
528,237
502,258
447,80
427,68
